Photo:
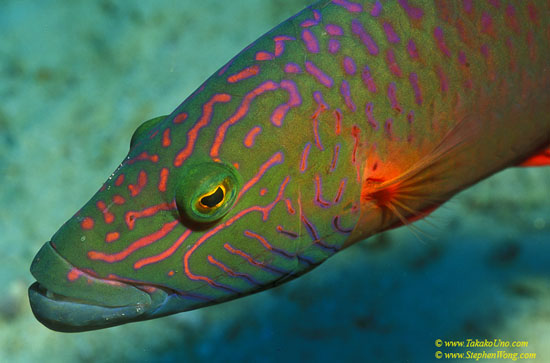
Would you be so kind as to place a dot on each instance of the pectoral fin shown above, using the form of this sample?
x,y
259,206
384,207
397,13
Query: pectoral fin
x,y
541,158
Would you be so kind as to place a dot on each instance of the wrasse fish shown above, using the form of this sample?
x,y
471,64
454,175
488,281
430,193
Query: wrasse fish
x,y
348,119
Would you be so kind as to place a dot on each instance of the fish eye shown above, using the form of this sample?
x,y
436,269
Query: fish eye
x,y
206,192
213,199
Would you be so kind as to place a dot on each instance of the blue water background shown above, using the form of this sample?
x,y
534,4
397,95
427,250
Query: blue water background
x,y
77,77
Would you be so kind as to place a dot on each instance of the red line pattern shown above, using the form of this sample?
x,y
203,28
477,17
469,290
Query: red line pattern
x,y
163,255
244,74
131,216
276,158
136,245
265,214
204,120
239,114
135,189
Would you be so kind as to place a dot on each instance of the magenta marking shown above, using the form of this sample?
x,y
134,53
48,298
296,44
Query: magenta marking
x,y
319,201
346,93
410,117
280,44
286,233
252,261
484,49
390,33
367,79
316,134
324,79
340,192
305,155
312,231
294,100
322,106
349,6
388,127
443,81
533,14
230,272
312,22
512,21
336,226
392,64
335,155
292,68
338,124
358,30
462,58
468,6
413,51
333,46
376,9
440,40
495,3
268,245
393,98
333,29
370,116
349,65
312,45
264,56
413,79
486,23
250,137
412,12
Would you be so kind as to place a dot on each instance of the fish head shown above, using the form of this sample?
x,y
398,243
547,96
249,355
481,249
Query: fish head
x,y
216,201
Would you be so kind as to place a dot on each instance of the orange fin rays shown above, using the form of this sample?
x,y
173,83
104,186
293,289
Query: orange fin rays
x,y
425,185
541,158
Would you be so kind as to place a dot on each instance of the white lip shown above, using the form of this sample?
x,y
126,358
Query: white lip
x,y
68,307
71,315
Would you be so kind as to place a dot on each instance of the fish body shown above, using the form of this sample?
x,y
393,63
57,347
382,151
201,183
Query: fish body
x,y
346,120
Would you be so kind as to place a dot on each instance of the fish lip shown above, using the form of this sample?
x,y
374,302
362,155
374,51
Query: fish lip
x,y
63,307
70,315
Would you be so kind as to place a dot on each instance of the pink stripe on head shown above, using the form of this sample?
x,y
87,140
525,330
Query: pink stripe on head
x,y
349,65
333,29
358,29
440,40
390,33
413,13
292,68
413,79
367,79
312,45
250,137
370,116
333,46
376,9
324,79
413,51
468,6
349,6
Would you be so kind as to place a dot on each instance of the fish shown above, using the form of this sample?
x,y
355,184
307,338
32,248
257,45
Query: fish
x,y
346,120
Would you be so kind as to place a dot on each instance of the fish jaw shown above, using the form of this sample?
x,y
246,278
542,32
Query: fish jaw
x,y
67,299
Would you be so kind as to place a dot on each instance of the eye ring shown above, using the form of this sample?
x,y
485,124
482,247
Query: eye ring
x,y
206,192
213,199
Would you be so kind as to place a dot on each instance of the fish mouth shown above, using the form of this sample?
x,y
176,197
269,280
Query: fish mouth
x,y
67,299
